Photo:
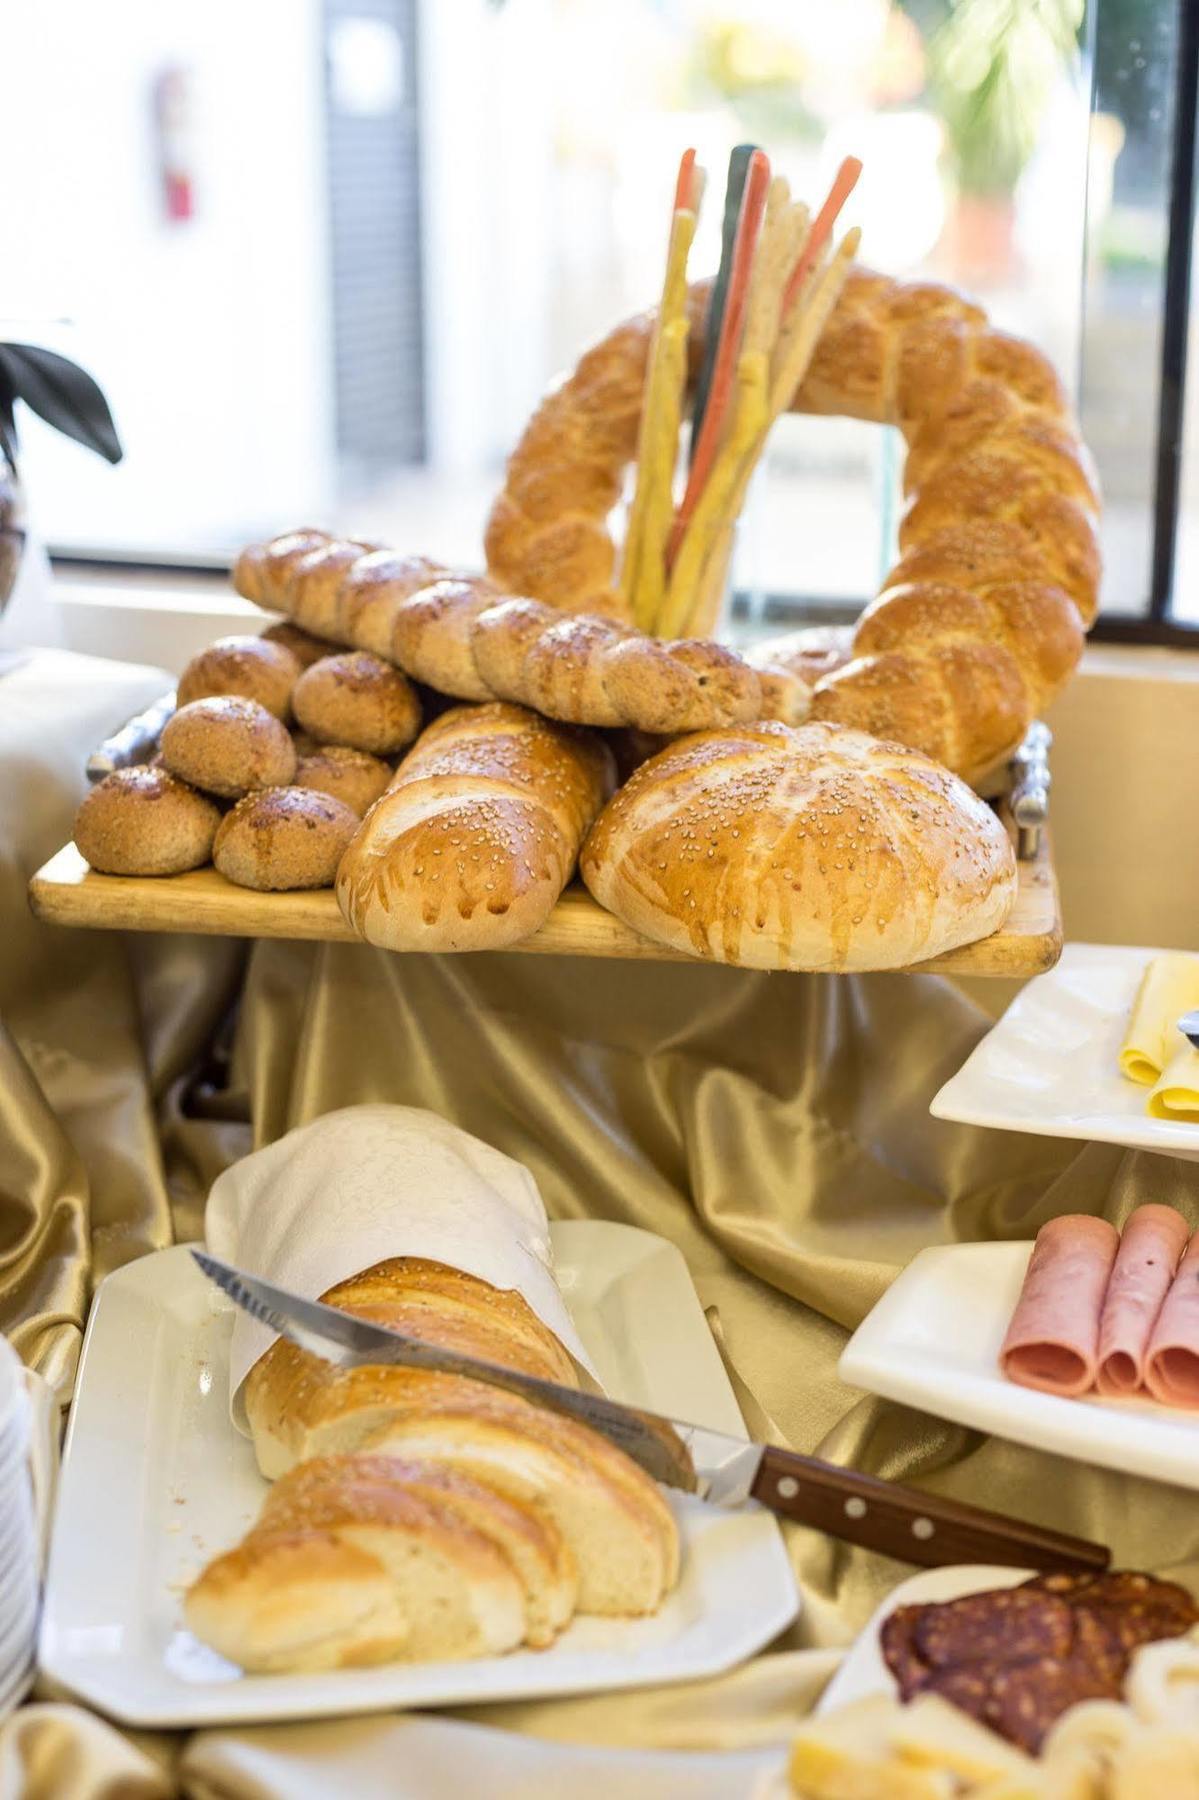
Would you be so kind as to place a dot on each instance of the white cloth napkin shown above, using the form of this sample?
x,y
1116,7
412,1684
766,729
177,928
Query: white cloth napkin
x,y
370,1182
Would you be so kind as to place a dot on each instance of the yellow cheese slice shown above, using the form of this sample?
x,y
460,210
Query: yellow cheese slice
x,y
1169,988
1176,1095
930,1730
848,1755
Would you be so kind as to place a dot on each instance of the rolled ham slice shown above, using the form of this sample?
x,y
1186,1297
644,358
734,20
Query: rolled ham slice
x,y
1150,1248
1172,1362
1052,1342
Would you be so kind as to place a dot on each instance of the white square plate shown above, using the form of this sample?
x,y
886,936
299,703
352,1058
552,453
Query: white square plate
x,y
933,1342
864,1673
1050,1065
156,1481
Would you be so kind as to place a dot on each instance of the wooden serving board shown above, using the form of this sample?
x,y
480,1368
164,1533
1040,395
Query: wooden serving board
x,y
67,892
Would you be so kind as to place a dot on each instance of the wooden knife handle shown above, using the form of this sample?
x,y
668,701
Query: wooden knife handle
x,y
908,1525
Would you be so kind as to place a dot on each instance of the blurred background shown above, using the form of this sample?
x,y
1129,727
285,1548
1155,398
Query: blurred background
x,y
324,255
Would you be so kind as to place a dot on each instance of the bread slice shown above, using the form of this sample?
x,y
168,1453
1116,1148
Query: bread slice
x,y
526,1537
414,1280
302,1600
454,1591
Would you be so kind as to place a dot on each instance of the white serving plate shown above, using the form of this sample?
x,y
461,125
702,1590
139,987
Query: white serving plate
x,y
156,1481
1050,1065
864,1673
933,1342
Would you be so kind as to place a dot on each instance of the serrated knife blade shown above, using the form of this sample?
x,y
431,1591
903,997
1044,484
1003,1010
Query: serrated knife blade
x,y
860,1509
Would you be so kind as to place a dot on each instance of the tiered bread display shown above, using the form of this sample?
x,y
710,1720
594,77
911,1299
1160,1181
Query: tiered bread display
x,y
422,1515
978,626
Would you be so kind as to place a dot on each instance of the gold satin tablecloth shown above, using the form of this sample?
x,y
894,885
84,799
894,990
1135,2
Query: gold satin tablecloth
x,y
776,1128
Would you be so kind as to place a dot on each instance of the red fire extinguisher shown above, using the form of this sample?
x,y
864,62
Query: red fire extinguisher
x,y
173,136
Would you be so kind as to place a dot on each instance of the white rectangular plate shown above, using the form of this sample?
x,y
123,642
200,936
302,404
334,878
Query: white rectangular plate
x,y
864,1673
933,1342
156,1481
1050,1065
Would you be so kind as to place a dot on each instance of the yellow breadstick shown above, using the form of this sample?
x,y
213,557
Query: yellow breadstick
x,y
805,322
657,445
761,396
659,456
714,509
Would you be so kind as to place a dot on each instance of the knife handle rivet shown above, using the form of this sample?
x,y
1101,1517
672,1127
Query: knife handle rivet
x,y
923,1529
855,1509
788,1487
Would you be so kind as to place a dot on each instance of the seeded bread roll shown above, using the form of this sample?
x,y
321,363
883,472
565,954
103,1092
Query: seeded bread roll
x,y
351,776
358,700
815,848
478,835
283,837
143,821
228,746
304,647
248,666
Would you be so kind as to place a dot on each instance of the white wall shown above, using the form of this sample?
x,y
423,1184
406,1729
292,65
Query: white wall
x,y
209,337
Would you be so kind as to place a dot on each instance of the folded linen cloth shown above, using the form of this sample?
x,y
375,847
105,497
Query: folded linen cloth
x,y
371,1182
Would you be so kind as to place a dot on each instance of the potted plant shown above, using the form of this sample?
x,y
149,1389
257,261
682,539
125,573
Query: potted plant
x,y
992,65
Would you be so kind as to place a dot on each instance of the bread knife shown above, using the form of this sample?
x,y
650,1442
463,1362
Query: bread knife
x,y
135,742
860,1509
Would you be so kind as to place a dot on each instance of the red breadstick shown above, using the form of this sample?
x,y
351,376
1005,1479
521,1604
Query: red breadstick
x,y
1172,1362
844,182
1052,1342
1153,1241
749,223
684,187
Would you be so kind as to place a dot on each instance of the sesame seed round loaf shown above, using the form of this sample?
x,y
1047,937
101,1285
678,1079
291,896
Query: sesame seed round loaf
x,y
227,746
358,700
144,821
250,666
352,776
284,837
809,848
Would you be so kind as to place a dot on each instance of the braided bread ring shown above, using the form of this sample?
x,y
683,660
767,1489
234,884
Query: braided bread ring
x,y
1000,568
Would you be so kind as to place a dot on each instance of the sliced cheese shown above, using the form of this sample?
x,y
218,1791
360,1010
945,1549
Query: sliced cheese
x,y
930,1730
1176,1094
1169,988
849,1755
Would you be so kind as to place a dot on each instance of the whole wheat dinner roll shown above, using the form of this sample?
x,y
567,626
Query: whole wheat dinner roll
x,y
144,821
284,837
809,848
228,746
351,776
357,699
249,666
304,647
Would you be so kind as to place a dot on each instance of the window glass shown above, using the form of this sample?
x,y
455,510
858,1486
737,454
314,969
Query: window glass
x,y
325,257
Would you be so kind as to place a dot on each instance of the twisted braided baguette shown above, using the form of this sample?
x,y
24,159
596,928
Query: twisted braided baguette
x,y
981,622
462,636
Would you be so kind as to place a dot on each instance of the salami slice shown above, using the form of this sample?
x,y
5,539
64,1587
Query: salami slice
x,y
1052,1342
1172,1361
1150,1248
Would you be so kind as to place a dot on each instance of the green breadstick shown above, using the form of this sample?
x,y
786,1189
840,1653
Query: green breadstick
x,y
739,159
